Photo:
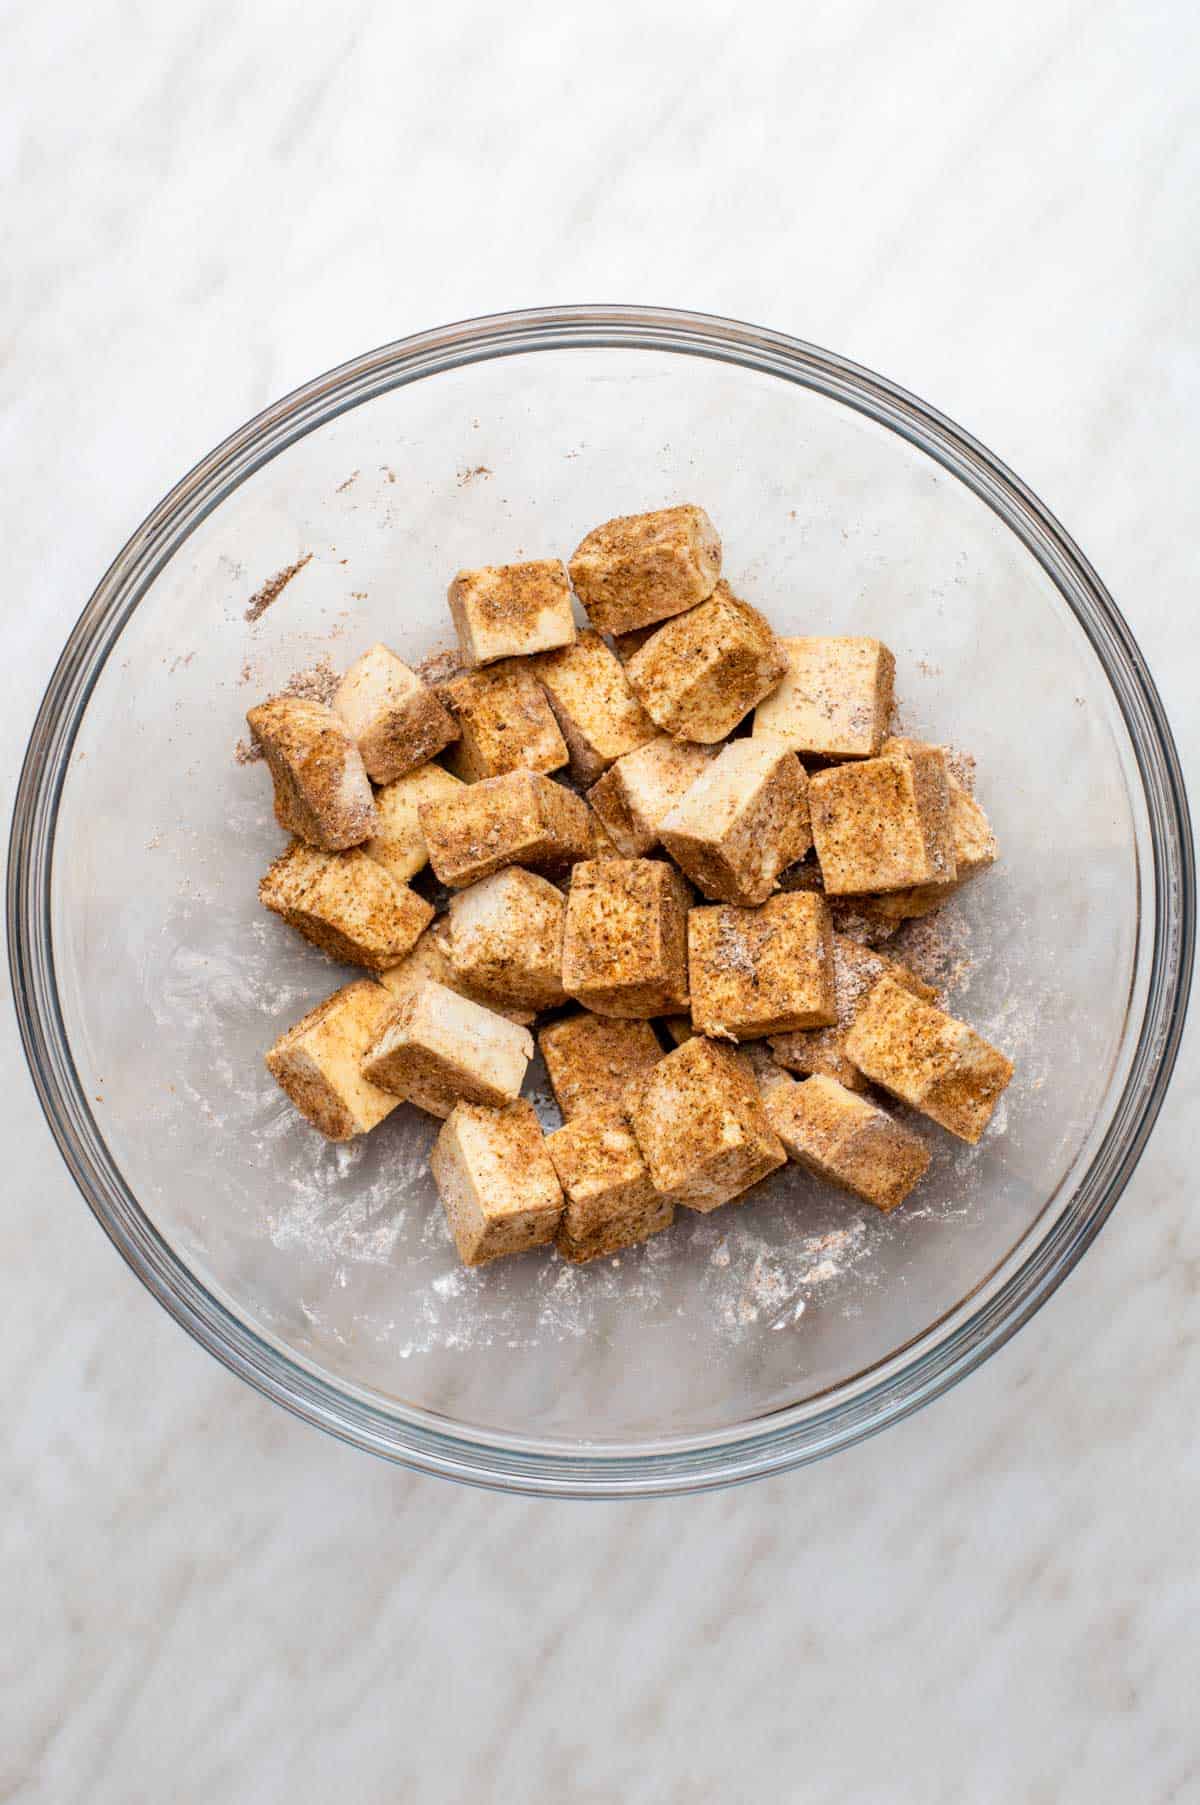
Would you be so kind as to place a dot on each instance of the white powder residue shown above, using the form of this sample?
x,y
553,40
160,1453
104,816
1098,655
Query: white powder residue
x,y
752,1282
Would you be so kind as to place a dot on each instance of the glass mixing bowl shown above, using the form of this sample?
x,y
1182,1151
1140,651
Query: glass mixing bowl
x,y
149,981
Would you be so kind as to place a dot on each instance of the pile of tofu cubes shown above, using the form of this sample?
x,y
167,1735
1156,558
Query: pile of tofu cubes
x,y
672,898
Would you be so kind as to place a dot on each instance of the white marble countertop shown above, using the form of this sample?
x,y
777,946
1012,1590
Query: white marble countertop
x,y
205,1601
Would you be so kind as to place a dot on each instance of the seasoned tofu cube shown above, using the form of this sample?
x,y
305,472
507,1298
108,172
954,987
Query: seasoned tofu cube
x,y
843,1138
633,797
506,939
701,673
507,610
835,699
928,1059
395,719
504,722
856,970
642,568
625,941
679,1028
883,823
592,1060
399,846
611,1202
975,845
702,1127
318,1062
430,959
975,850
598,714
743,821
496,1181
931,777
322,792
346,904
439,1048
762,971
520,818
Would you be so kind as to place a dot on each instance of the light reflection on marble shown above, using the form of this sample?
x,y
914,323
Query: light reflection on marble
x,y
206,1601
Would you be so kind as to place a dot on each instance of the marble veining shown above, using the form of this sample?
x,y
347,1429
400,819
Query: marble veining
x,y
206,1601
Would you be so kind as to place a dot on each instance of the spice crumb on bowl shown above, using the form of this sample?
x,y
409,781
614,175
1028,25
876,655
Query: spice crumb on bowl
x,y
273,588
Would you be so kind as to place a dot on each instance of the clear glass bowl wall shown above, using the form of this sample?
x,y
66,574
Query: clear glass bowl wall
x,y
149,981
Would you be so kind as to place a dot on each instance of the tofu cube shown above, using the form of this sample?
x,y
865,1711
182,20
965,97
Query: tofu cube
x,y
592,1060
625,940
520,818
642,788
346,904
843,1138
975,850
322,792
400,846
641,568
510,610
701,673
598,714
702,1127
504,722
856,970
835,699
506,939
762,971
975,847
496,1181
928,1059
395,719
883,823
439,1049
430,959
318,1061
743,821
679,1028
611,1201
931,776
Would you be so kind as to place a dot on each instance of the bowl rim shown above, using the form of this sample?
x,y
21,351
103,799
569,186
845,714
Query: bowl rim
x,y
908,1378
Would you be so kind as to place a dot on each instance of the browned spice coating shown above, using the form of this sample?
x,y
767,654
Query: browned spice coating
x,y
611,1201
846,1140
625,943
592,1059
702,1128
346,904
761,971
519,818
322,793
705,670
505,722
